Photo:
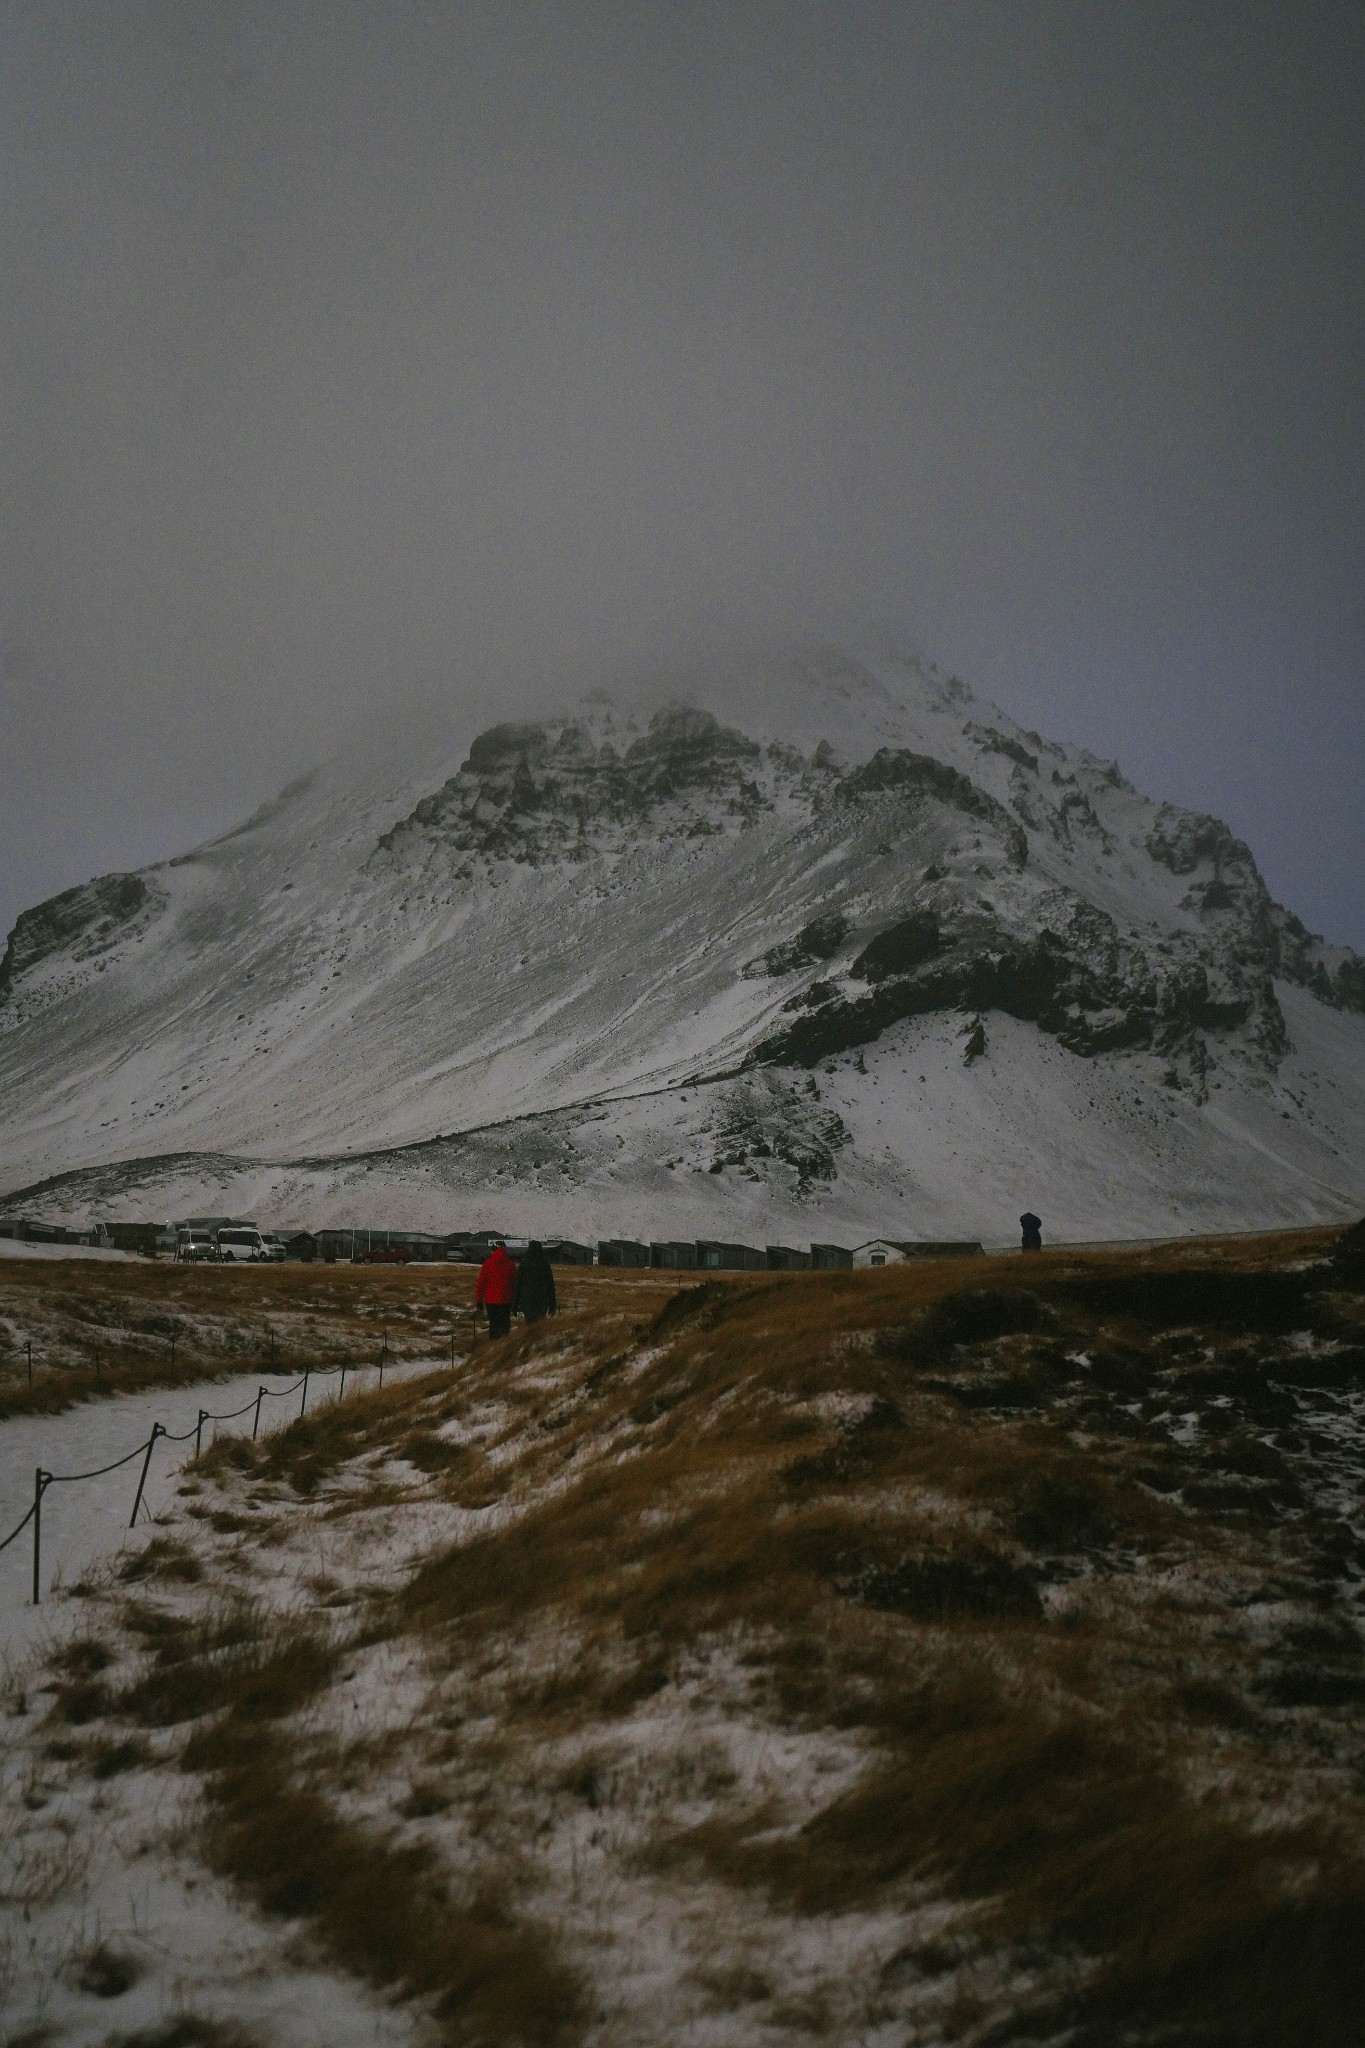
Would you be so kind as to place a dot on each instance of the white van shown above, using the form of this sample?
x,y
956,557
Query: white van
x,y
241,1242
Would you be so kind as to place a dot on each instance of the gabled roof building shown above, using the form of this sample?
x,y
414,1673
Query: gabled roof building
x,y
890,1251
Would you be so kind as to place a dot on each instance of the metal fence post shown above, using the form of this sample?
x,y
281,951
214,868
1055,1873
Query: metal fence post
x,y
342,1395
199,1428
157,1430
40,1479
304,1402
257,1422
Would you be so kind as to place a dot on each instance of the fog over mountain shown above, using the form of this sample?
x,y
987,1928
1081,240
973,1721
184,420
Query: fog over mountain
x,y
821,945
376,362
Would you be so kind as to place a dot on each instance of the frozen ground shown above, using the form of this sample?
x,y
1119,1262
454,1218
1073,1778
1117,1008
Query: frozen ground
x,y
899,1140
88,1523
101,1890
732,1650
20,1248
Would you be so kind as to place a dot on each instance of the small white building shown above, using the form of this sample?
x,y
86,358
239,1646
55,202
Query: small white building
x,y
889,1251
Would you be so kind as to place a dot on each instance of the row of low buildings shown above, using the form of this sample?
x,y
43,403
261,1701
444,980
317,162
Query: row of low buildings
x,y
713,1255
682,1255
154,1239
392,1247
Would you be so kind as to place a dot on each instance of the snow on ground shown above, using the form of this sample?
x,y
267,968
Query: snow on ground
x,y
86,1524
305,1026
21,1248
145,1935
490,1756
915,1143
105,1909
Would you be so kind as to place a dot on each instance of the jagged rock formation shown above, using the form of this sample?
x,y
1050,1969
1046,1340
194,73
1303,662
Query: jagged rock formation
x,y
81,923
633,941
566,790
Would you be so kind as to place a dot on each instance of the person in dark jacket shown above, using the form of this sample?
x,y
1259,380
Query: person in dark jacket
x,y
1032,1227
535,1295
495,1289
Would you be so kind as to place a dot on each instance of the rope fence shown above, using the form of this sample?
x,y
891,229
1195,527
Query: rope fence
x,y
96,1355
42,1479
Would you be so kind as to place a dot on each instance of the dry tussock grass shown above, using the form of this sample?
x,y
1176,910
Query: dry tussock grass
x,y
942,1519
1046,1766
232,1318
233,1658
189,2030
381,1908
312,1449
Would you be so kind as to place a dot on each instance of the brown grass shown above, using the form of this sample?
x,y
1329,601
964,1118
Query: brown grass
x,y
310,1450
380,1907
938,1515
1040,1768
235,1658
225,1318
165,1557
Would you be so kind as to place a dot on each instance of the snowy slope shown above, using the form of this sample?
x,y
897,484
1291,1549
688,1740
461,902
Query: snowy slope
x,y
677,967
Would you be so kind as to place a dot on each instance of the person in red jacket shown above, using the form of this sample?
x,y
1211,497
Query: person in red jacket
x,y
496,1289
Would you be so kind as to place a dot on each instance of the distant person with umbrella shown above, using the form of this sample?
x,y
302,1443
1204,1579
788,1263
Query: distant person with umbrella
x,y
535,1292
495,1290
1032,1227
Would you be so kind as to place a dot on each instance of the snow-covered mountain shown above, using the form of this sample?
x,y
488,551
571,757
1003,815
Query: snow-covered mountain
x,y
820,948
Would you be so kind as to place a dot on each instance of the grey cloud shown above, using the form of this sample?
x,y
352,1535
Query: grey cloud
x,y
373,352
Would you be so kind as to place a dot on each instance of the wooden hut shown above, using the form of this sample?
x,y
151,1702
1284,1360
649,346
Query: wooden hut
x,y
715,1257
830,1258
562,1251
890,1251
674,1255
622,1251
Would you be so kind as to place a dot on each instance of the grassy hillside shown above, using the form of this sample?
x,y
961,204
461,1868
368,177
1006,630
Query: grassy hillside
x,y
98,1329
941,1653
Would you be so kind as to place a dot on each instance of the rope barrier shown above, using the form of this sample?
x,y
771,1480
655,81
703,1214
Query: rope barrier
x,y
43,1479
17,1532
233,1413
66,1478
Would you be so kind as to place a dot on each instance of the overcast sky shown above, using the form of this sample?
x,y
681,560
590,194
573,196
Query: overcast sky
x,y
354,353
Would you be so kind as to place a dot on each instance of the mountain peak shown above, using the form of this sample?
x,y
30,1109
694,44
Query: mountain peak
x,y
829,894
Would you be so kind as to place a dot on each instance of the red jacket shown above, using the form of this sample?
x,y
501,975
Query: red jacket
x,y
497,1282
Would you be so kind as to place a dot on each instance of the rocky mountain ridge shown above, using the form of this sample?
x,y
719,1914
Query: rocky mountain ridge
x,y
537,793
704,909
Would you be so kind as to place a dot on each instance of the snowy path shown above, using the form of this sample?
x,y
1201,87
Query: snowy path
x,y
89,1520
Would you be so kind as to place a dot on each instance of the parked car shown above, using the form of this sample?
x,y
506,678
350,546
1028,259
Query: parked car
x,y
240,1243
275,1247
194,1246
385,1255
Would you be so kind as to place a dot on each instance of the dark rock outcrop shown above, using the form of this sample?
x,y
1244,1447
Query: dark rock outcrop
x,y
900,948
83,921
547,792
818,940
1081,984
909,774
